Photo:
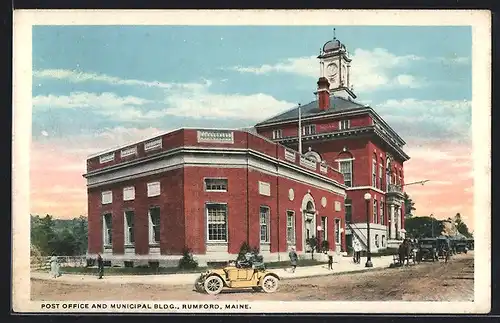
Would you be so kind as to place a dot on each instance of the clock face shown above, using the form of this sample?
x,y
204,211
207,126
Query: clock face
x,y
332,70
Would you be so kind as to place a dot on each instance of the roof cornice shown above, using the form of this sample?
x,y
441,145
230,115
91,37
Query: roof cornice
x,y
318,116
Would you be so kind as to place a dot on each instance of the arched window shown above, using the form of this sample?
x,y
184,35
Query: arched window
x,y
312,155
344,160
381,173
374,170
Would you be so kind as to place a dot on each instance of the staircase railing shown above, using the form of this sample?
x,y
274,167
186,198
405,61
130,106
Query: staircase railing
x,y
359,233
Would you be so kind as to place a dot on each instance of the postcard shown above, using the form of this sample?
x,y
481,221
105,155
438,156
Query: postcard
x,y
226,161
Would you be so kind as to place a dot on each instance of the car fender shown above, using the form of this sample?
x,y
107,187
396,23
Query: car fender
x,y
271,274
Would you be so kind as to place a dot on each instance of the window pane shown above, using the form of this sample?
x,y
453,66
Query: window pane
x,y
216,222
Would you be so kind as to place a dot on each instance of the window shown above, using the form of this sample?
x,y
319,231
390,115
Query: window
x,y
337,232
290,227
344,124
216,184
154,224
129,193
374,171
107,229
264,224
381,174
383,241
153,189
348,211
345,168
376,241
324,226
217,222
129,227
375,212
107,197
277,134
309,130
382,220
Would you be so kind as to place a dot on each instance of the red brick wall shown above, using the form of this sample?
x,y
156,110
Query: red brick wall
x,y
171,208
169,141
195,198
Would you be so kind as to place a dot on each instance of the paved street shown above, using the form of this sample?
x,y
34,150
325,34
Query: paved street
x,y
453,281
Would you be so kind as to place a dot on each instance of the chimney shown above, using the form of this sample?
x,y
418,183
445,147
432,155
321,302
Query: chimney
x,y
323,94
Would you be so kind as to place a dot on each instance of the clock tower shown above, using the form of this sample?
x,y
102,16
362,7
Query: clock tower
x,y
335,67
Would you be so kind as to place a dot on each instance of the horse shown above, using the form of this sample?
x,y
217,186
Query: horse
x,y
405,252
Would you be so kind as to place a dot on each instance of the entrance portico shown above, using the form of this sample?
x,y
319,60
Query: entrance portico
x,y
309,213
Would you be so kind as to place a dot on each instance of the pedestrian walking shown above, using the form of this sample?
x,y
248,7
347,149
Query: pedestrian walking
x,y
357,251
100,266
54,267
330,260
293,259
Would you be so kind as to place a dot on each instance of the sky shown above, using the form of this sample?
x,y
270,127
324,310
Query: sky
x,y
95,87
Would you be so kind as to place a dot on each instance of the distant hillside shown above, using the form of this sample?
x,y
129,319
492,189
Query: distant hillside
x,y
59,236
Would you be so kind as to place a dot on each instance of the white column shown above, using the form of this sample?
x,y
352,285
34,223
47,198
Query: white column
x,y
393,224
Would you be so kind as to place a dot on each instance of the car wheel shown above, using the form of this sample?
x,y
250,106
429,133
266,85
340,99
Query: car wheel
x,y
269,284
213,285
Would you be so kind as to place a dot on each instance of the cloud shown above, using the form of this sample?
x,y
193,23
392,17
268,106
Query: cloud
x,y
189,101
371,69
428,119
213,106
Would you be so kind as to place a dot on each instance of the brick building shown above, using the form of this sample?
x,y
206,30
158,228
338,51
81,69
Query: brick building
x,y
353,138
209,191
212,190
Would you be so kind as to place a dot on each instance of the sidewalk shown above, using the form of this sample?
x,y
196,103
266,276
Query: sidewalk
x,y
344,265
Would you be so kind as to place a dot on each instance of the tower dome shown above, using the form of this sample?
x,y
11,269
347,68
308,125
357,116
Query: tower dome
x,y
332,45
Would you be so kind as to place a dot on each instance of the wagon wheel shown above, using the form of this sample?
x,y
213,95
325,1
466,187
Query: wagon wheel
x,y
213,285
269,284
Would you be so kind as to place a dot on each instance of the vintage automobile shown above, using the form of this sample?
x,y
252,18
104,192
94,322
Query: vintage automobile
x,y
461,246
427,249
242,274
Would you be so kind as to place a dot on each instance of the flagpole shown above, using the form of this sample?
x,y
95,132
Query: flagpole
x,y
300,132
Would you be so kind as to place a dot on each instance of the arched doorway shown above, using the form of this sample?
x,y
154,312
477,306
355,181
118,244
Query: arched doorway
x,y
308,220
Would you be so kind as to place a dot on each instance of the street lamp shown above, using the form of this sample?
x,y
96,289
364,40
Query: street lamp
x,y
368,197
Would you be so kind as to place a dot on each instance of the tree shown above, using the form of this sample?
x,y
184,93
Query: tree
x,y
423,226
409,205
313,243
461,226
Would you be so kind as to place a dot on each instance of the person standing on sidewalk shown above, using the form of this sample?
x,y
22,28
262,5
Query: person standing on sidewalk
x,y
54,267
293,259
100,265
357,251
330,260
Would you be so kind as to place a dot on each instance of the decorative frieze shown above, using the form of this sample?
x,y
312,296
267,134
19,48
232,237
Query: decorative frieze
x,y
131,151
216,136
264,188
107,158
307,163
289,155
153,144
